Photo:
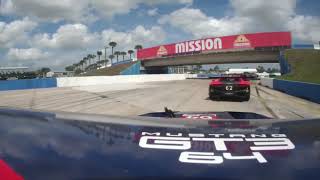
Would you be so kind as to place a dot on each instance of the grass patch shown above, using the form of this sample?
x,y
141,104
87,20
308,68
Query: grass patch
x,y
109,71
305,65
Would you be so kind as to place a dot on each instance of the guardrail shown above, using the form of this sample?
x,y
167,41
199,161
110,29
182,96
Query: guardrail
x,y
27,84
309,91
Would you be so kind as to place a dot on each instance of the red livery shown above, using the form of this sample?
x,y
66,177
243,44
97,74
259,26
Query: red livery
x,y
243,41
230,86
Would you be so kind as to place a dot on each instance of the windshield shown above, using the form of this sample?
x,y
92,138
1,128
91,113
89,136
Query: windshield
x,y
184,59
229,79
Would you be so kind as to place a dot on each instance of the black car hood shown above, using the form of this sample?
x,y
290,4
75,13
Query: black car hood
x,y
206,115
54,146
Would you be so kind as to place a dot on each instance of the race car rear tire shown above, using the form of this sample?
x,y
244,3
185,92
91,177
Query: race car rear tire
x,y
246,98
213,97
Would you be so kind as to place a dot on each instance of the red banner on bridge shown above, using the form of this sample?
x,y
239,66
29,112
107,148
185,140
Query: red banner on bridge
x,y
225,43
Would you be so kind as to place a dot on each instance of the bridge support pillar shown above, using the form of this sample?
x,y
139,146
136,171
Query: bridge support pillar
x,y
284,65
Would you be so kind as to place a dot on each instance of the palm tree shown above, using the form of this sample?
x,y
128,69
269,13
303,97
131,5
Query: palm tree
x,y
85,59
105,62
77,65
102,62
81,64
117,53
93,57
112,44
138,46
123,53
130,52
99,53
111,57
68,68
88,60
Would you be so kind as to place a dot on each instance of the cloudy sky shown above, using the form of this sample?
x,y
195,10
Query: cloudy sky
x,y
38,33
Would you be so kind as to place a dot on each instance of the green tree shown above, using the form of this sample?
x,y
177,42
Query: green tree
x,y
93,57
78,65
117,53
123,53
81,64
99,53
130,52
78,71
269,70
69,68
138,47
106,62
199,67
275,70
43,71
111,57
260,69
89,58
112,44
216,68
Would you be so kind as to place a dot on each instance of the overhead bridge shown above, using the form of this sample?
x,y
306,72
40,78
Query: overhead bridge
x,y
249,56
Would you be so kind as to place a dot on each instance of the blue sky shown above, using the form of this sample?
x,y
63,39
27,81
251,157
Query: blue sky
x,y
37,33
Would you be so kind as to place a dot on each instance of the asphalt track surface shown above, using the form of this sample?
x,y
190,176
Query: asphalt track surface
x,y
139,98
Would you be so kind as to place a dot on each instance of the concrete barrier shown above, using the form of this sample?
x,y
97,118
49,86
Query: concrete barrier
x,y
102,80
304,90
268,82
27,84
309,91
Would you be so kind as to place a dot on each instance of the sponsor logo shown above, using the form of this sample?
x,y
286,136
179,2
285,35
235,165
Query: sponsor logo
x,y
241,41
198,45
223,145
199,116
162,51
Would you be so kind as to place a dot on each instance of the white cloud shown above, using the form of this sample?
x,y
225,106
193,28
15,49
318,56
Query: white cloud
x,y
305,28
71,42
77,10
26,54
15,32
140,35
74,10
153,12
78,37
256,16
194,21
109,8
264,14
156,2
69,36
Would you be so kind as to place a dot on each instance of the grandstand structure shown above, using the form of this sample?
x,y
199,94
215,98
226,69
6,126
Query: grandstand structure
x,y
6,70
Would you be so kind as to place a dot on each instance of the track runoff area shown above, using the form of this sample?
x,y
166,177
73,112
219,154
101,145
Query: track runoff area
x,y
133,99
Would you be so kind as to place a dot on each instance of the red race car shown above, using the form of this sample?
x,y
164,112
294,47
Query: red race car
x,y
230,86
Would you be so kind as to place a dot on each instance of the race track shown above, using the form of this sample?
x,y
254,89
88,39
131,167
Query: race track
x,y
138,98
